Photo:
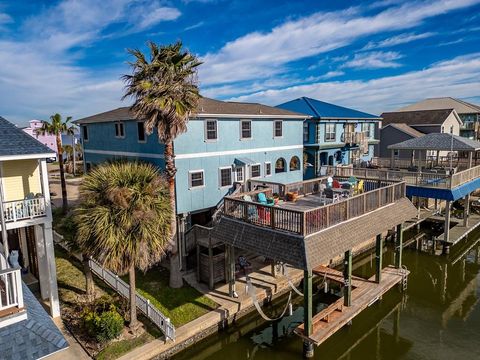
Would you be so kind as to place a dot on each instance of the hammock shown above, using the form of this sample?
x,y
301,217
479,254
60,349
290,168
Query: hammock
x,y
294,288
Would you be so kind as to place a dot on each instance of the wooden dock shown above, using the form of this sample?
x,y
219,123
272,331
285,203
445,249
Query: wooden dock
x,y
459,232
424,215
364,293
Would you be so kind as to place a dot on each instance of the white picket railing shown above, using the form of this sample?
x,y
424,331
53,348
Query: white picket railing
x,y
11,292
24,209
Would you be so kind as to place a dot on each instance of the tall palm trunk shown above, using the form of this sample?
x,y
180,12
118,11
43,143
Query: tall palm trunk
x,y
90,286
133,299
62,173
176,280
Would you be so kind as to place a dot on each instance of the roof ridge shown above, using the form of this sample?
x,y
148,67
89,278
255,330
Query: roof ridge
x,y
307,101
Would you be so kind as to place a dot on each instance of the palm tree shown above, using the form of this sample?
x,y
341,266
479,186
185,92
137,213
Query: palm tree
x,y
164,88
124,220
68,149
58,127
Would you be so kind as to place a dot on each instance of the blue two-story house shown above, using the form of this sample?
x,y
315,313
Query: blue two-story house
x,y
225,142
334,135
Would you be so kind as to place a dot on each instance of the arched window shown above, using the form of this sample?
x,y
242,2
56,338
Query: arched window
x,y
294,163
280,166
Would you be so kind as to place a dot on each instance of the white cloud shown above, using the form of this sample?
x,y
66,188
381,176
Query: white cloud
x,y
458,77
263,54
397,40
330,74
194,26
374,60
5,19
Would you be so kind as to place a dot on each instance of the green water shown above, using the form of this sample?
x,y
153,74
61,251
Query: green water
x,y
437,318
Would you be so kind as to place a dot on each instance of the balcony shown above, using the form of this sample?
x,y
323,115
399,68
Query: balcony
x,y
11,292
24,209
356,138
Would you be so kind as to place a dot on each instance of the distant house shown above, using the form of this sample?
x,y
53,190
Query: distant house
x,y
334,135
47,139
469,113
404,125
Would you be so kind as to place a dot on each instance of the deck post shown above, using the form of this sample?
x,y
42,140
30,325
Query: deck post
x,y
392,159
466,210
446,233
231,267
210,265
378,258
307,312
198,262
399,246
347,278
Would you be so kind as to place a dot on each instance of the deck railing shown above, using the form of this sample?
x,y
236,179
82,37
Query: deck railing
x,y
431,161
306,222
465,176
24,209
11,292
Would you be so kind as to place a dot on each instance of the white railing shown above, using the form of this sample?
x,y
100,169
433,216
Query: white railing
x,y
143,304
24,209
11,292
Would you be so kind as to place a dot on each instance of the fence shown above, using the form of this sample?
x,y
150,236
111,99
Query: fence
x,y
24,209
120,286
12,292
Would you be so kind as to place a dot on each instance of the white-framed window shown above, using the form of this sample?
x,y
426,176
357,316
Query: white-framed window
x,y
225,176
245,129
255,171
268,168
330,134
306,132
211,130
196,179
366,128
239,175
278,128
141,135
85,132
119,130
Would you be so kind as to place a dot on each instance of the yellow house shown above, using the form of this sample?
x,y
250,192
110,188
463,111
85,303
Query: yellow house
x,y
26,243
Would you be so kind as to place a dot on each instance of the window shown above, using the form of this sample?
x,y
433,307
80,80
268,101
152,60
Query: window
x,y
210,130
245,129
225,176
88,166
85,133
239,174
141,132
280,166
294,163
366,128
277,128
119,130
330,132
306,134
196,178
255,171
268,168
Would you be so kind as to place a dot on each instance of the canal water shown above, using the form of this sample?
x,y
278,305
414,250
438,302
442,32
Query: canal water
x,y
437,318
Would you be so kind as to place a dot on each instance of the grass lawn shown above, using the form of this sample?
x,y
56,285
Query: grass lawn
x,y
180,305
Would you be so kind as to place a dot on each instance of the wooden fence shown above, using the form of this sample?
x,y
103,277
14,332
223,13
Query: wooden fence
x,y
306,222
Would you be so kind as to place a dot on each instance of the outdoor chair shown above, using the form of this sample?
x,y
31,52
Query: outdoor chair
x,y
358,189
336,184
262,199
330,194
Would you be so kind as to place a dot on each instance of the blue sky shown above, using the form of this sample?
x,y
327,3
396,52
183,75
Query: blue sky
x,y
67,56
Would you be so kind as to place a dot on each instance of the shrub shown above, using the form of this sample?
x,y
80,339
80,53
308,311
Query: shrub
x,y
103,325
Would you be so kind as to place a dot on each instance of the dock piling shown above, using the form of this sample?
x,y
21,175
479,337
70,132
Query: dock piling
x,y
399,246
347,277
378,258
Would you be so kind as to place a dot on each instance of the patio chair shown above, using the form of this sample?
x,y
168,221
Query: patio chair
x,y
359,187
262,199
330,194
336,184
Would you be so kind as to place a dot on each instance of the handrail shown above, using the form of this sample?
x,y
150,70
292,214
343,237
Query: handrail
x,y
17,210
464,176
306,222
12,289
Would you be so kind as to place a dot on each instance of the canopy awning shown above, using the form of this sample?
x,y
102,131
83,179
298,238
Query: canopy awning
x,y
244,161
438,142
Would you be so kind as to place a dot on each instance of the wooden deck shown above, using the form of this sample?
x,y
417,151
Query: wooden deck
x,y
364,293
459,232
424,215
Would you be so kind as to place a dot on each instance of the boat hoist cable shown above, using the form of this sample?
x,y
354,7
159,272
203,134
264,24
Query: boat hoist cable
x,y
324,282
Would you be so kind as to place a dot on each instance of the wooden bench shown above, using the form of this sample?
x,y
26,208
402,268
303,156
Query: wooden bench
x,y
324,315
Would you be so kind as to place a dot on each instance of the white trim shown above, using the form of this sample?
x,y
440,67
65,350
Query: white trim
x,y
121,125
250,116
220,186
241,130
236,152
205,125
144,133
275,129
27,156
236,173
123,153
265,169
190,172
260,168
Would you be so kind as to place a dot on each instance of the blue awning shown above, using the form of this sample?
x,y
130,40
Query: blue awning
x,y
444,194
244,161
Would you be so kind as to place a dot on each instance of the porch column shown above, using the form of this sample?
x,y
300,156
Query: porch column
x,y
211,282
470,159
2,218
412,161
46,266
438,157
231,270
446,236
378,258
347,278
182,248
307,312
466,210
399,246
392,159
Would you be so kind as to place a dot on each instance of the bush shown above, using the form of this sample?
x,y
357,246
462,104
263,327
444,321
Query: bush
x,y
103,325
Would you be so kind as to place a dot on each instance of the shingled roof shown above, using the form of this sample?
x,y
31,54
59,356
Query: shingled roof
x,y
14,142
460,106
420,117
438,141
206,107
406,129
316,249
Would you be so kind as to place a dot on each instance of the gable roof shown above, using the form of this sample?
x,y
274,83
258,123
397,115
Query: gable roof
x,y
420,117
206,107
460,106
406,129
16,143
323,110
438,141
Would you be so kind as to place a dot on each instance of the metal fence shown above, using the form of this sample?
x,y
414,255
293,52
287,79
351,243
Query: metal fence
x,y
120,286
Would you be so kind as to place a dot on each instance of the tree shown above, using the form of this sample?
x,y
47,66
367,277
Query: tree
x,y
68,149
164,88
58,127
124,219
